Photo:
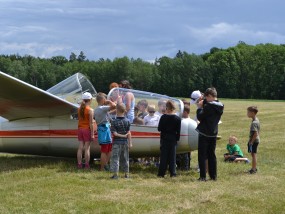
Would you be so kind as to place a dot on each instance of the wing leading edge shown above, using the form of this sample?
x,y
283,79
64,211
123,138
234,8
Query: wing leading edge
x,y
19,100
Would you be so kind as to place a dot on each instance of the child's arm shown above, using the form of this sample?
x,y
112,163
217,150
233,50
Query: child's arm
x,y
116,134
130,139
202,111
111,104
91,123
226,156
128,101
235,152
251,141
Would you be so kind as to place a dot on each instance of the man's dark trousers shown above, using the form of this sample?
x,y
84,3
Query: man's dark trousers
x,y
206,151
167,155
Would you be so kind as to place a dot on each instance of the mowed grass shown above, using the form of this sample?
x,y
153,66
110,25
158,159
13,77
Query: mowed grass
x,y
30,184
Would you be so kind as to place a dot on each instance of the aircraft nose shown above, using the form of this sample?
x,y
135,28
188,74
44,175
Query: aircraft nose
x,y
192,135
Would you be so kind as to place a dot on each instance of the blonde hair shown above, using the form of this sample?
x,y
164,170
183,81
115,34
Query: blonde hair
x,y
151,107
100,96
233,137
121,108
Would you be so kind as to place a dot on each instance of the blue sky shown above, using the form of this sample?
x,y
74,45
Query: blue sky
x,y
146,29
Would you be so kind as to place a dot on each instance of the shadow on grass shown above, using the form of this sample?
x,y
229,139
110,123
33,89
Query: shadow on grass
x,y
135,169
10,162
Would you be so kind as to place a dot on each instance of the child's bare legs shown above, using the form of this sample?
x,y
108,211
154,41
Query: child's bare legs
x,y
254,161
103,160
79,153
108,157
240,159
87,154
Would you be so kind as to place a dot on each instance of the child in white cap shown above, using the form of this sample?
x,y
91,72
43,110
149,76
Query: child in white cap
x,y
85,130
195,97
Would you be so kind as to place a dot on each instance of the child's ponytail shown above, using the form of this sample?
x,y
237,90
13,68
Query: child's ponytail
x,y
82,109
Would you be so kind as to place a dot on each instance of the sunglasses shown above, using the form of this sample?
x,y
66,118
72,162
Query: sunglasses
x,y
151,112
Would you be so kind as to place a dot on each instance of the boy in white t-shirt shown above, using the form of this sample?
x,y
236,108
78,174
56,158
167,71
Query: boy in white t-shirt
x,y
151,119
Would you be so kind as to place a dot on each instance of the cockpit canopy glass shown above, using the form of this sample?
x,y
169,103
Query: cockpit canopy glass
x,y
147,100
72,88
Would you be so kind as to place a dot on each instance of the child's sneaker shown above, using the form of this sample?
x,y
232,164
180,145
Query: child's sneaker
x,y
79,166
107,168
202,179
247,161
87,166
114,177
252,171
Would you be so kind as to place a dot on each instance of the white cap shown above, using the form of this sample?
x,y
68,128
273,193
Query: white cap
x,y
195,95
86,96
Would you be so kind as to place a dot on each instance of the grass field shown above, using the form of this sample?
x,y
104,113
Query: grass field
x,y
30,184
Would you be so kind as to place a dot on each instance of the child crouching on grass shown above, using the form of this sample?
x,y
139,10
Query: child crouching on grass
x,y
234,152
122,142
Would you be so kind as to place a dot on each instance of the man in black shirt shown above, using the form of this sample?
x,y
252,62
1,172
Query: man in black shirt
x,y
209,113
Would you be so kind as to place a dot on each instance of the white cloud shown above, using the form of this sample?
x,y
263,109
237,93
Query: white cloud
x,y
14,30
12,47
232,33
52,50
33,48
145,29
93,10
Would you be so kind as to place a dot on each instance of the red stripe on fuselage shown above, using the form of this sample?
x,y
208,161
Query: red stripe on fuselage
x,y
68,133
38,133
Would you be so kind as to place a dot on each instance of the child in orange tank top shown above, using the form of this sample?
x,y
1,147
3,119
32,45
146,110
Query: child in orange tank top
x,y
85,130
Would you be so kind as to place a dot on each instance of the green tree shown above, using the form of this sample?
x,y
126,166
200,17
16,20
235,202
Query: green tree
x,y
72,57
81,57
59,60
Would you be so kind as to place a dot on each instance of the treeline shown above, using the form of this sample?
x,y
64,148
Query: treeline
x,y
243,71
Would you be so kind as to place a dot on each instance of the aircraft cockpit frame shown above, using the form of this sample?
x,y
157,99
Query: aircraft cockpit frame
x,y
72,88
153,99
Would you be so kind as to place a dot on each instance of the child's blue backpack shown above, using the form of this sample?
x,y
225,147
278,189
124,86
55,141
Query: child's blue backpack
x,y
104,134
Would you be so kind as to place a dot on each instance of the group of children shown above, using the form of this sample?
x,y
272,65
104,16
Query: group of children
x,y
235,154
148,115
117,150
